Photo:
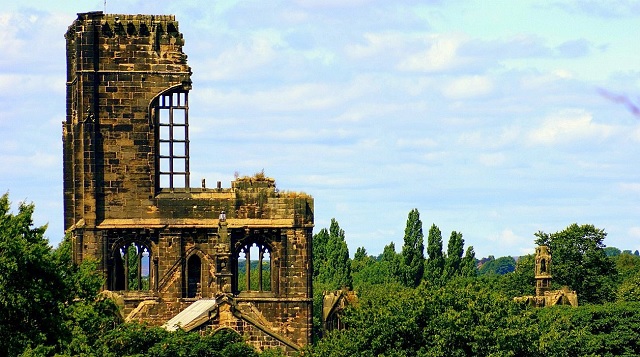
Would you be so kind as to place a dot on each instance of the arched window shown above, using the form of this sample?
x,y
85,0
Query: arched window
x,y
194,267
131,267
172,131
254,268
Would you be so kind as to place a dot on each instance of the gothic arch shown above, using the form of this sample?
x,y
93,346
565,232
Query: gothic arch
x,y
193,273
131,265
253,265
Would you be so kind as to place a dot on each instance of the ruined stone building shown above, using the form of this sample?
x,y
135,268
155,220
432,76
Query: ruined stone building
x,y
544,295
173,254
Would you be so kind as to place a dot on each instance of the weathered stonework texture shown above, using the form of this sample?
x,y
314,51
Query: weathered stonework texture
x,y
544,295
128,203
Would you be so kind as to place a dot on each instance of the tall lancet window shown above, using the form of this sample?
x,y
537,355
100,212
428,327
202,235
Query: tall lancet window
x,y
172,118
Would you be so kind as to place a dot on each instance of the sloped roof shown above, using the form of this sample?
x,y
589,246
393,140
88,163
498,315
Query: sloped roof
x,y
193,316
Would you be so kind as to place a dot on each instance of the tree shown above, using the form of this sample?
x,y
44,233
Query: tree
x,y
320,241
500,266
580,262
521,281
413,250
335,269
468,266
629,289
360,260
31,288
435,263
612,251
455,248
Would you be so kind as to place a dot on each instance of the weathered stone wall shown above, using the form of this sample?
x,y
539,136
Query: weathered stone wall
x,y
117,67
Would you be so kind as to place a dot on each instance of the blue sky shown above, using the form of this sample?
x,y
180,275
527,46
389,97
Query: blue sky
x,y
493,118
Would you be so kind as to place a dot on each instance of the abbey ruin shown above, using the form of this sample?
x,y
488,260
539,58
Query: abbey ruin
x,y
176,255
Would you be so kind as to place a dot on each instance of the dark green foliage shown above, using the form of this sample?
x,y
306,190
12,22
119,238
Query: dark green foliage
x,y
333,264
471,317
32,291
435,263
629,289
521,281
266,275
579,261
320,241
360,260
590,330
627,265
455,248
469,266
332,268
500,266
133,339
413,251
461,319
383,270
612,251
390,262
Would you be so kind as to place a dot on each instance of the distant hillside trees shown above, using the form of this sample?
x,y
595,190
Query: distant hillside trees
x,y
500,266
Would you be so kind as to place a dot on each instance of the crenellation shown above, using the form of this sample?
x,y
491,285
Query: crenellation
x,y
119,68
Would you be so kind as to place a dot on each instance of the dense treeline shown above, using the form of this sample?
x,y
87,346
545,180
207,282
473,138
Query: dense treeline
x,y
452,308
410,303
50,306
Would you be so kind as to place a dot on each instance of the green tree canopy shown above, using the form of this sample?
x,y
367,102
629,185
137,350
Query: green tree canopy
x,y
334,265
320,241
469,265
413,250
580,262
455,248
31,287
500,266
435,263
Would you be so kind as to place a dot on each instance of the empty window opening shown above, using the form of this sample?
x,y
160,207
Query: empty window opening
x,y
171,112
131,267
194,265
254,268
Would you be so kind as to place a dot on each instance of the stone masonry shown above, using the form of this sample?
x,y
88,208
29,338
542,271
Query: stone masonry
x,y
128,201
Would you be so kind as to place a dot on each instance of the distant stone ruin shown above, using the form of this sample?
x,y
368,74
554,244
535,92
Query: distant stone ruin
x,y
196,258
333,305
544,295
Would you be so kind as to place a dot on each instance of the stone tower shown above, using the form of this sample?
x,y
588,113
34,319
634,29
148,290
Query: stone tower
x,y
543,270
241,255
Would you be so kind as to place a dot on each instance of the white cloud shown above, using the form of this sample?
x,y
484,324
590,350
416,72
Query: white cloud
x,y
235,62
376,44
508,240
494,138
568,126
441,55
468,87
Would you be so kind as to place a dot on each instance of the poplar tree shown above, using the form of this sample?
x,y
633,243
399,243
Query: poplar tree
x,y
455,248
319,242
435,264
391,261
335,267
468,266
413,250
